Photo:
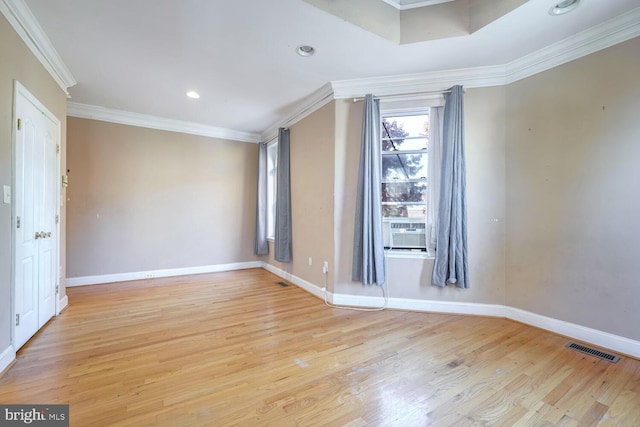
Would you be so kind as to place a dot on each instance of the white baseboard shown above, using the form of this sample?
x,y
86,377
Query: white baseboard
x,y
6,357
62,303
125,277
593,336
602,339
421,305
301,283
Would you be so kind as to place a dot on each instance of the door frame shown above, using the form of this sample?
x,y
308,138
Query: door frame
x,y
21,90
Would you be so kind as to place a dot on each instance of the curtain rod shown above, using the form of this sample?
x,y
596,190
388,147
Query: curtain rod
x,y
407,95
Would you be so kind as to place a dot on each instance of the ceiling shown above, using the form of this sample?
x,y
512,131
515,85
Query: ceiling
x,y
142,56
412,21
407,4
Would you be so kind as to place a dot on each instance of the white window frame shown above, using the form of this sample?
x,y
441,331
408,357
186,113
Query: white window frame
x,y
272,186
397,252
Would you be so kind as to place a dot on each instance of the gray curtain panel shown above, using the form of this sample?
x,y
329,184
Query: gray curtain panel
x,y
368,246
283,243
451,263
261,246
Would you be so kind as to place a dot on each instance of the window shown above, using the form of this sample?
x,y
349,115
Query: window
x,y
272,168
405,141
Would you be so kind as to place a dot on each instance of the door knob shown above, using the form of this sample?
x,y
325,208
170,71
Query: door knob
x,y
49,234
38,235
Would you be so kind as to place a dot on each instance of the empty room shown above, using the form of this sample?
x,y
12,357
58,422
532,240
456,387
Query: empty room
x,y
320,213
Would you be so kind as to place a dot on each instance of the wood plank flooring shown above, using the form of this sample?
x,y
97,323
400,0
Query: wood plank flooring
x,y
235,348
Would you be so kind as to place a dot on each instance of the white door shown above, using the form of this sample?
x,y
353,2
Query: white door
x,y
47,246
35,215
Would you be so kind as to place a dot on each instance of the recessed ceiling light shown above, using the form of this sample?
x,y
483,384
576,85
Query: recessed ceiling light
x,y
563,7
193,94
305,50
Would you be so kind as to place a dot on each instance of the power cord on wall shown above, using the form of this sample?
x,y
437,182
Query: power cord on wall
x,y
348,307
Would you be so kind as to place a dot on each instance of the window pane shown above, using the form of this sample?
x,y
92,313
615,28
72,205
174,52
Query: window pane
x,y
404,192
406,144
404,166
404,211
405,132
405,140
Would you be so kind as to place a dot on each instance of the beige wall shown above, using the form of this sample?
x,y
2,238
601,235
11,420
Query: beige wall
x,y
551,175
438,21
348,134
573,137
552,170
543,159
18,63
142,199
312,172
377,17
411,278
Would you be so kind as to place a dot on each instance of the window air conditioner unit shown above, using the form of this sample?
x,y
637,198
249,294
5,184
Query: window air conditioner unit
x,y
404,235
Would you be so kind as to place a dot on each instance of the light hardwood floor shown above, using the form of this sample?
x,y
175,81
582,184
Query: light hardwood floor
x,y
237,349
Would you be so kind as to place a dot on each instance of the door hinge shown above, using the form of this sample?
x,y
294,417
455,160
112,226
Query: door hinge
x,y
57,148
18,319
57,219
19,124
17,222
57,289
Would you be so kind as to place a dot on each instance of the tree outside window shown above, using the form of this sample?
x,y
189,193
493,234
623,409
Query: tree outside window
x,y
405,165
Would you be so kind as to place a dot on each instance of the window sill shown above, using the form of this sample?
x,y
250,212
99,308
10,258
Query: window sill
x,y
406,254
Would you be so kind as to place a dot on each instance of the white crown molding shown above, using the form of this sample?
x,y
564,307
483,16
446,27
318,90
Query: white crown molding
x,y
150,274
25,24
93,112
302,109
388,85
601,36
606,34
421,82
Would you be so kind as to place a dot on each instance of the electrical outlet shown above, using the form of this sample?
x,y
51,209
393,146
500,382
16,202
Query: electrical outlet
x,y
310,262
325,267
